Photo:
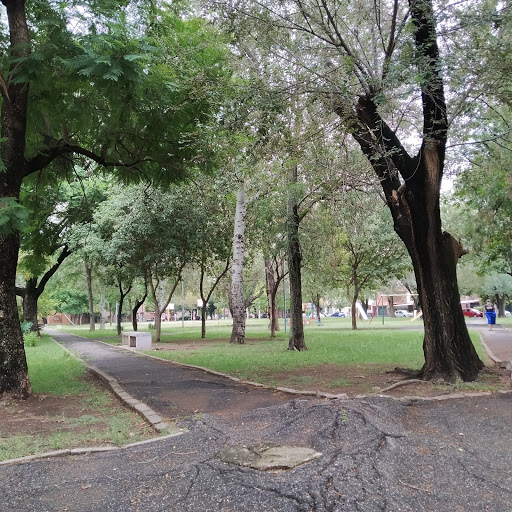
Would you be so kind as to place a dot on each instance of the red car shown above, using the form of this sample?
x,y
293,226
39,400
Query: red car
x,y
472,313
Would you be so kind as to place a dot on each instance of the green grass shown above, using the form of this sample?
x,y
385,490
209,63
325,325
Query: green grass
x,y
332,346
53,371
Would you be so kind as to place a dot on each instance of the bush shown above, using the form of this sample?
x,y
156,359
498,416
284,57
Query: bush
x,y
30,338
25,327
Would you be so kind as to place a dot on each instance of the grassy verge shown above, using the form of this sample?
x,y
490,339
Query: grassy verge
x,y
67,410
325,346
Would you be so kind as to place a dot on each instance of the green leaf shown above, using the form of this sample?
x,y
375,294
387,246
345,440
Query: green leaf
x,y
12,215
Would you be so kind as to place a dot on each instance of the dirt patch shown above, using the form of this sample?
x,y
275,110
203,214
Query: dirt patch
x,y
51,422
370,379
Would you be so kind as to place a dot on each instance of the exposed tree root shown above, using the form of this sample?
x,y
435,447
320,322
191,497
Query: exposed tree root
x,y
404,383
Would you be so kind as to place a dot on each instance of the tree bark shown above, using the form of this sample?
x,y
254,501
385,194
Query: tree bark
x,y
237,268
122,296
90,296
29,295
102,310
296,341
135,310
14,374
271,288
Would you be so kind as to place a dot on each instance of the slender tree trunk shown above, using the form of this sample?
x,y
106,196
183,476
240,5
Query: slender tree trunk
x,y
203,320
135,310
122,296
102,310
237,268
355,296
272,287
29,296
296,341
88,275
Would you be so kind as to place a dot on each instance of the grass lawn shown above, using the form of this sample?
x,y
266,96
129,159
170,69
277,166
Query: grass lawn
x,y
67,410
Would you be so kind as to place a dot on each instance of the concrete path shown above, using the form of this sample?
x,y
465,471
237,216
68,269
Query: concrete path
x,y
498,341
172,391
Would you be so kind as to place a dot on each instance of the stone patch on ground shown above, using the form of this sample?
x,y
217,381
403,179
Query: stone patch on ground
x,y
268,457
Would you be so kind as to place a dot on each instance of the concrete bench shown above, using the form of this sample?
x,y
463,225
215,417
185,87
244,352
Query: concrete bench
x,y
141,340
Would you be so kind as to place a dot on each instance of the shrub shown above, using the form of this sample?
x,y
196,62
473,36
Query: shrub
x,y
30,338
25,327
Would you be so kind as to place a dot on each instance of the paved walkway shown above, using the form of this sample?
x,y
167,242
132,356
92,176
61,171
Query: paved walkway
x,y
498,341
172,391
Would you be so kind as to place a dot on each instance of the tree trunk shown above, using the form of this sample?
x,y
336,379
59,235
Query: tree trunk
x,y
203,320
135,310
14,374
355,296
102,310
449,352
122,296
391,305
296,341
272,285
90,296
414,205
30,295
237,268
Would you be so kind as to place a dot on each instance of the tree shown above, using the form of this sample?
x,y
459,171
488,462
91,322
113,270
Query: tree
x,y
237,268
499,287
362,56
100,90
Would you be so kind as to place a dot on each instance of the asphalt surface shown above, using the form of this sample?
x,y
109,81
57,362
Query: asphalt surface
x,y
379,454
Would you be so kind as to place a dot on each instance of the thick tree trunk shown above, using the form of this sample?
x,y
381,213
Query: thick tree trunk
x,y
90,296
448,349
14,372
414,204
296,341
237,269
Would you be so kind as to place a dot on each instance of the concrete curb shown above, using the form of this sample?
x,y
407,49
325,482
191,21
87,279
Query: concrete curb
x,y
85,451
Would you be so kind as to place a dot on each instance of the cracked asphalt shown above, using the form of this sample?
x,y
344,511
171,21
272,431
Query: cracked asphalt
x,y
378,454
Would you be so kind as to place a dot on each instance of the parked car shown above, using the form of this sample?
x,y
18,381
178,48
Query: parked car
x,y
508,313
471,312
401,313
339,314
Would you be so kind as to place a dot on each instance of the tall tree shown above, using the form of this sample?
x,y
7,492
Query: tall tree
x,y
101,90
359,56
